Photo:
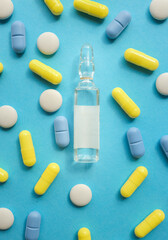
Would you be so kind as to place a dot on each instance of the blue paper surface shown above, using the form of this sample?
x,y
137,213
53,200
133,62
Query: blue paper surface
x,y
108,216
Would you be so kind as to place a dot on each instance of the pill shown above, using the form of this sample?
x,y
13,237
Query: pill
x,y
134,181
162,84
50,100
159,9
135,142
3,175
84,234
6,219
6,9
80,195
91,8
48,43
141,59
27,148
33,226
46,72
8,116
126,103
149,223
55,6
1,67
47,178
61,131
121,21
18,37
164,144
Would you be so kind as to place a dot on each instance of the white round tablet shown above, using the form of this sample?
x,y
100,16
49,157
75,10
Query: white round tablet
x,y
8,116
159,9
50,100
48,43
6,218
80,195
6,9
162,84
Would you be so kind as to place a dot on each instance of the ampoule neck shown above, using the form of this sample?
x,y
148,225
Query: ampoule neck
x,y
86,67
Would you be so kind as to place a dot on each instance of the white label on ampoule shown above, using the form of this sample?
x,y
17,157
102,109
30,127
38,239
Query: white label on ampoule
x,y
86,126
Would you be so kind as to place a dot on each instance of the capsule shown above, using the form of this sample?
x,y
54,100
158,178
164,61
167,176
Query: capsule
x,y
141,59
33,226
126,103
18,37
27,148
84,234
46,72
3,175
164,144
135,142
47,178
134,181
117,26
91,8
1,67
55,6
61,131
149,223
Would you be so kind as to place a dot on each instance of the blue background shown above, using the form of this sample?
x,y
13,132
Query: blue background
x,y
108,216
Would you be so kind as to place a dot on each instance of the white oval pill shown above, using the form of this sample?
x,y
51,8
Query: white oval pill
x,y
159,9
6,218
8,116
162,84
6,9
80,195
48,43
50,100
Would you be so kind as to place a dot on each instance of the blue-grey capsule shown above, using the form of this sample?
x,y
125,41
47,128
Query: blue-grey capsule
x,y
61,131
135,142
118,24
33,226
164,144
18,37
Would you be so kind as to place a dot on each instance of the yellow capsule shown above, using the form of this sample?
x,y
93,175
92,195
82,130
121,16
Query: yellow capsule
x,y
141,59
84,234
27,148
91,8
134,181
1,67
47,178
55,6
126,102
46,72
3,175
149,223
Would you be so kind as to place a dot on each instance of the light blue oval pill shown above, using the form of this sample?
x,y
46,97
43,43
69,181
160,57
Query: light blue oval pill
x,y
33,226
18,37
61,131
118,24
135,142
164,144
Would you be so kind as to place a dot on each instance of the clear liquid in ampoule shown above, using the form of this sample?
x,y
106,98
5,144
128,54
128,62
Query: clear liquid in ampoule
x,y
86,111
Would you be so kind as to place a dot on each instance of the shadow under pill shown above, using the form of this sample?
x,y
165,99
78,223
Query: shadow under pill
x,y
153,20
106,39
161,153
127,148
46,10
156,93
87,16
138,68
116,108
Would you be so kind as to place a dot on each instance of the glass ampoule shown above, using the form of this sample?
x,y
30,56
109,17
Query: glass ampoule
x,y
86,111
